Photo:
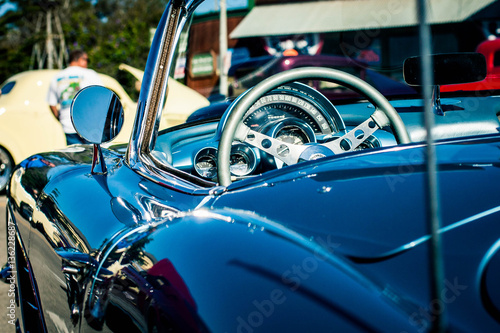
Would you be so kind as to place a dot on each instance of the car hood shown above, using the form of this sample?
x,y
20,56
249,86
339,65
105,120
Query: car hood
x,y
368,203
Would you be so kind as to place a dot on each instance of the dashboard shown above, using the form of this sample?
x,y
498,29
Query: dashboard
x,y
295,113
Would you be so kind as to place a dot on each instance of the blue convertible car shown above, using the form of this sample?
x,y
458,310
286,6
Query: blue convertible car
x,y
286,214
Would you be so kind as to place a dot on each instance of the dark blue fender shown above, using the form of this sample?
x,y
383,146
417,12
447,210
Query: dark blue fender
x,y
370,209
234,271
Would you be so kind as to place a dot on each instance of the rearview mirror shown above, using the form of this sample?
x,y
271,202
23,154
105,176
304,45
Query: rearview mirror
x,y
450,68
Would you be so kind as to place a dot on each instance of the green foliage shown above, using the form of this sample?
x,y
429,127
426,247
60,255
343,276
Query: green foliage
x,y
110,31
17,38
125,35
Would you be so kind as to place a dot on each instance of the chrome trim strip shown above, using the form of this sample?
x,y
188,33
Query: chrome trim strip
x,y
154,87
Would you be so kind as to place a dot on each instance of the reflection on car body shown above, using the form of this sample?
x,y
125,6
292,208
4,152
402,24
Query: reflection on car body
x,y
287,213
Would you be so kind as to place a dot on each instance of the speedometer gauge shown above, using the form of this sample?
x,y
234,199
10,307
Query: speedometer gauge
x,y
294,101
274,112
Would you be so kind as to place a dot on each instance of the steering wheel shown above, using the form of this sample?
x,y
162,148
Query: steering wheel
x,y
234,128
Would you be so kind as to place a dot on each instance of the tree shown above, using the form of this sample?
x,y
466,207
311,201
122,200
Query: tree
x,y
110,31
125,35
17,37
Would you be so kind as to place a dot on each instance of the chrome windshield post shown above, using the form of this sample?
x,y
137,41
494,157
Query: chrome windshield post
x,y
155,80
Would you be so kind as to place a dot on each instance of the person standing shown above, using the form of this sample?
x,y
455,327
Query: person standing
x,y
64,87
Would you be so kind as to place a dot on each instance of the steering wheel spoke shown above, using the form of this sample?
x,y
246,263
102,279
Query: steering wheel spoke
x,y
354,138
286,152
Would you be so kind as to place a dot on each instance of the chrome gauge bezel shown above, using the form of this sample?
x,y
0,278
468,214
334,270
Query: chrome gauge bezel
x,y
314,108
243,152
240,151
209,156
293,124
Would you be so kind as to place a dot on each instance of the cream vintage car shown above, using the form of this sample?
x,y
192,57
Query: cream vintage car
x,y
27,126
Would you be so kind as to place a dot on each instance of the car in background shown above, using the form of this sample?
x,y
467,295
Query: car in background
x,y
490,49
27,126
289,213
247,73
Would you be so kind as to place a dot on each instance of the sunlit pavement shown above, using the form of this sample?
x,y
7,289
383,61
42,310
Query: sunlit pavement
x,y
4,288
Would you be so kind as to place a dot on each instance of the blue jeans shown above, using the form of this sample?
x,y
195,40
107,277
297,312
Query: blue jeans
x,y
74,138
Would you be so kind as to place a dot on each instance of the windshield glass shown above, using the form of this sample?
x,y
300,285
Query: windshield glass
x,y
324,46
370,42
7,87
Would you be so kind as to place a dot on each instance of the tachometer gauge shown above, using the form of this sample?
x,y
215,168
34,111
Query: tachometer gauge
x,y
293,135
292,130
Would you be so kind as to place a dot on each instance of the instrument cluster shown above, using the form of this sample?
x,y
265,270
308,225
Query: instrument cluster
x,y
243,161
294,114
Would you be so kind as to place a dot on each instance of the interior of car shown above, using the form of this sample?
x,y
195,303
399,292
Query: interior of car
x,y
281,121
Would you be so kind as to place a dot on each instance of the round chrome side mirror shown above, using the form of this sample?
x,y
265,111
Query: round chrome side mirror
x,y
97,114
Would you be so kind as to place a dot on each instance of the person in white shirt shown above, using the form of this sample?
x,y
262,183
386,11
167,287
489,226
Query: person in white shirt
x,y
64,87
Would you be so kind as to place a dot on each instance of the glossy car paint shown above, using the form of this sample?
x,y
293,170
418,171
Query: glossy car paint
x,y
338,243
283,253
73,230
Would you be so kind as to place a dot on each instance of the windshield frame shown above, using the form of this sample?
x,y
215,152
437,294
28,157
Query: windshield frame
x,y
139,156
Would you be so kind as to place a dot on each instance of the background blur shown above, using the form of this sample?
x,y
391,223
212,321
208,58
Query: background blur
x,y
380,33
111,31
